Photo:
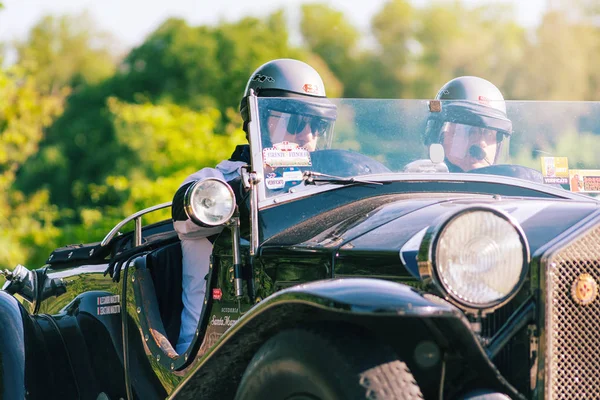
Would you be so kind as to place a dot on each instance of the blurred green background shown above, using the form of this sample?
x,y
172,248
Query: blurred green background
x,y
90,134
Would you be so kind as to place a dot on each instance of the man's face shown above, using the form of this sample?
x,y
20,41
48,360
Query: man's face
x,y
299,129
469,147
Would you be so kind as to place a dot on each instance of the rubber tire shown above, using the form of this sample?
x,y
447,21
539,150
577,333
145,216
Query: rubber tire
x,y
303,364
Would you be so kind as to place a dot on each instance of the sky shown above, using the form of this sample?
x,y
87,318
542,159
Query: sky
x,y
131,20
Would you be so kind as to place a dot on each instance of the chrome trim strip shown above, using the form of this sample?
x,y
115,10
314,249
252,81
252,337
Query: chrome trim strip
x,y
135,216
255,147
254,233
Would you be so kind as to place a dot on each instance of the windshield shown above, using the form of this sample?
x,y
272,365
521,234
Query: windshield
x,y
552,143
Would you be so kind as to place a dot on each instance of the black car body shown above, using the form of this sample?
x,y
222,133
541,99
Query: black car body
x,y
349,250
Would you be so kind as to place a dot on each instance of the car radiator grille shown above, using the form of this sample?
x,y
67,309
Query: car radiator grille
x,y
572,329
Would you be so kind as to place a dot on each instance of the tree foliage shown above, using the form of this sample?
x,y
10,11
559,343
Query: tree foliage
x,y
87,137
25,220
66,51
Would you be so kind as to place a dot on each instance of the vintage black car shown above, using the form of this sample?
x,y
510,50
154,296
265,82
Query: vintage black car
x,y
363,269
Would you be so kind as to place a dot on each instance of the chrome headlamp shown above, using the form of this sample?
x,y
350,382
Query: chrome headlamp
x,y
209,202
478,257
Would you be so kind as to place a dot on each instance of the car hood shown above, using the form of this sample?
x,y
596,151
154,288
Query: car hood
x,y
388,223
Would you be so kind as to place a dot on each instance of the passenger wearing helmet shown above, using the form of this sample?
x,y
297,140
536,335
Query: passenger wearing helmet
x,y
293,121
471,124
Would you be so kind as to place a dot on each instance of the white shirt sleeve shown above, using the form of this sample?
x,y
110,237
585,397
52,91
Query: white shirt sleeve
x,y
196,259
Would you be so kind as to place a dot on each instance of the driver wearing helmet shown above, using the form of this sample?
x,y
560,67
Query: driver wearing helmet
x,y
302,120
305,116
470,123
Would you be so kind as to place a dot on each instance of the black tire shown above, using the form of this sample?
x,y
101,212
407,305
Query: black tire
x,y
310,365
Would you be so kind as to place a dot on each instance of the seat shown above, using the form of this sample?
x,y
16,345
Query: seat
x,y
165,268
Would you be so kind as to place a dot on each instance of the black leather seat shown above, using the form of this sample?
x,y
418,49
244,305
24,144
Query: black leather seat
x,y
165,267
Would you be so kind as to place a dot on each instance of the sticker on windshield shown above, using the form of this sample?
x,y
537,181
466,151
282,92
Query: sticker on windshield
x,y
273,181
293,175
286,154
584,180
555,170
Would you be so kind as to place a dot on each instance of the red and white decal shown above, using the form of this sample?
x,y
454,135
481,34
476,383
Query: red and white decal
x,y
286,154
311,88
217,294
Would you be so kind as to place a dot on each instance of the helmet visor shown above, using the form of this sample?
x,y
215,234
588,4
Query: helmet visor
x,y
469,147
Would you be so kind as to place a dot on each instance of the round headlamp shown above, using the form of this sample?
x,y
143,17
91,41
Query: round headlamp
x,y
478,257
209,202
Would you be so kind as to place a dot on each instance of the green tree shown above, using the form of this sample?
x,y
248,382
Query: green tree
x,y
562,61
205,66
168,142
328,34
393,27
25,220
455,40
165,143
79,148
195,67
66,51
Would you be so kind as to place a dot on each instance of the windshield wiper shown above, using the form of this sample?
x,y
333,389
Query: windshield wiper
x,y
312,178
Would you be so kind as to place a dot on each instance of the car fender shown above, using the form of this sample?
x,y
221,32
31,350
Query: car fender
x,y
353,300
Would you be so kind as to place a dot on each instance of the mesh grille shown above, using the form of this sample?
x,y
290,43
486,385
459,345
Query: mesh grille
x,y
573,330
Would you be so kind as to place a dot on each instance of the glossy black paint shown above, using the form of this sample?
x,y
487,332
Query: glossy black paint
x,y
68,355
282,218
389,221
365,238
349,234
520,319
382,308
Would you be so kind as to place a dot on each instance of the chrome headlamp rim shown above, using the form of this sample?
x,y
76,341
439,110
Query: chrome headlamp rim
x,y
187,204
427,258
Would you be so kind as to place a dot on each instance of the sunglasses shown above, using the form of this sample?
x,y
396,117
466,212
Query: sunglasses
x,y
297,124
